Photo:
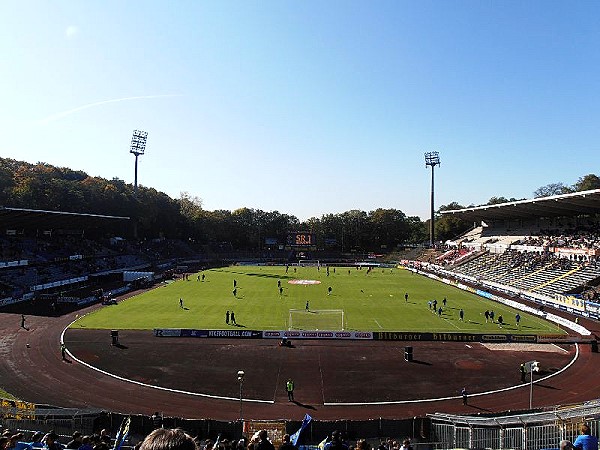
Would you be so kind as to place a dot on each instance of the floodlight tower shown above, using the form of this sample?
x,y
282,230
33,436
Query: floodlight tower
x,y
432,159
138,146
240,377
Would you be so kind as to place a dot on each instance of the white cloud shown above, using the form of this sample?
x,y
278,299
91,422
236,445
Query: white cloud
x,y
60,115
71,31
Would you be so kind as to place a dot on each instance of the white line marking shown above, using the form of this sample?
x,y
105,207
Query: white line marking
x,y
160,388
561,349
429,400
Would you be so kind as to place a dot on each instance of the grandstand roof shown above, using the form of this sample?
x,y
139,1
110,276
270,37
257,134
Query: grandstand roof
x,y
577,203
36,218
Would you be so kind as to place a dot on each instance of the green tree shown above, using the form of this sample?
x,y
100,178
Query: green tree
x,y
552,189
388,229
587,183
450,226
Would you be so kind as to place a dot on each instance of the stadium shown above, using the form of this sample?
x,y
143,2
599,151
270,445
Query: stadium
x,y
529,384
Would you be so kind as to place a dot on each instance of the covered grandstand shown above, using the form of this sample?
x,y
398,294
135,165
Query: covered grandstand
x,y
565,205
546,250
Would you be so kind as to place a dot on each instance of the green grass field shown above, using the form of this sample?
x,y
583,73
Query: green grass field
x,y
373,302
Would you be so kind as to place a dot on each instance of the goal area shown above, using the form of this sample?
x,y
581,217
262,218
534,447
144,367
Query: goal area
x,y
316,319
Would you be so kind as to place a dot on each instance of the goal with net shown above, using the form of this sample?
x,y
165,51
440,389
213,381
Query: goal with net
x,y
317,319
309,263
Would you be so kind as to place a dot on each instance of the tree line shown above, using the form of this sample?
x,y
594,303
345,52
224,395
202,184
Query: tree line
x,y
46,187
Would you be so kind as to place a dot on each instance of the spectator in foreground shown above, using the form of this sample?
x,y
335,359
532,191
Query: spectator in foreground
x,y
13,442
336,442
36,441
585,441
362,444
51,441
86,443
264,443
566,445
287,445
169,439
75,443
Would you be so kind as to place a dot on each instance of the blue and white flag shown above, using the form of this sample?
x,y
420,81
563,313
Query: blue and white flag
x,y
294,437
123,433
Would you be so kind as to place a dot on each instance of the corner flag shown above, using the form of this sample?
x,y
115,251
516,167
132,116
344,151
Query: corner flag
x,y
294,437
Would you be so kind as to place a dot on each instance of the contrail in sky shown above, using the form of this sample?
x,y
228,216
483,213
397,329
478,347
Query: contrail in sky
x,y
63,114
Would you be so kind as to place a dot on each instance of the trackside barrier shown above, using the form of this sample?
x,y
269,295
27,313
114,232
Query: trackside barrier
x,y
525,431
528,430
373,335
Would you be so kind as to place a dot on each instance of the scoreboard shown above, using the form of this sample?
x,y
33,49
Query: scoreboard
x,y
300,240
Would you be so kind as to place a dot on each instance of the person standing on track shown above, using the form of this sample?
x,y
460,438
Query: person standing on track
x,y
289,387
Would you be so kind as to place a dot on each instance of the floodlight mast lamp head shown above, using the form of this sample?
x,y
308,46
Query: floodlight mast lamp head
x,y
138,142
138,147
432,159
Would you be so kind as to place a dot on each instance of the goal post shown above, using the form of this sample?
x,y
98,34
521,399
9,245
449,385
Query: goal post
x,y
309,263
316,319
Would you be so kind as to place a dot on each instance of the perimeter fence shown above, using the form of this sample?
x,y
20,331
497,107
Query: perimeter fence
x,y
522,431
527,431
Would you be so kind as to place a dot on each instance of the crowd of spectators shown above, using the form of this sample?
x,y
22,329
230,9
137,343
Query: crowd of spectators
x,y
453,255
178,439
584,237
537,260
260,441
12,440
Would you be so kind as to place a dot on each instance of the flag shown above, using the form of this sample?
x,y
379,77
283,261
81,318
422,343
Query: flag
x,y
294,437
123,433
321,445
216,444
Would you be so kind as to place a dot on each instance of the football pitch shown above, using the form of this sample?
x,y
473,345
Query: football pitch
x,y
371,301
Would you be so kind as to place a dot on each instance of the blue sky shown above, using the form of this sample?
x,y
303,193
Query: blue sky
x,y
307,107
